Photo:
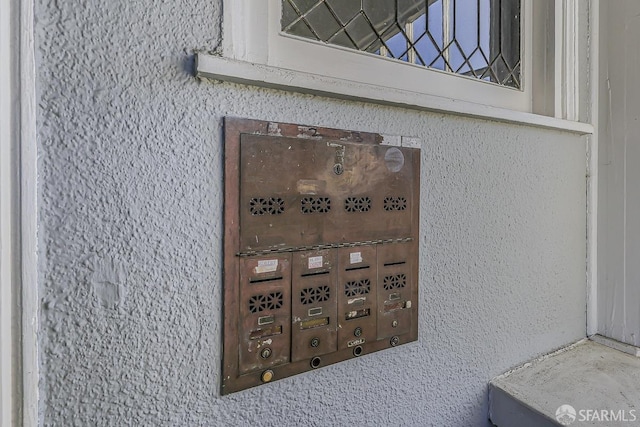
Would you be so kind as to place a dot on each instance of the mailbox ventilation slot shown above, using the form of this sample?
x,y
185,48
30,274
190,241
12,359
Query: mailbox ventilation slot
x,y
395,281
357,287
395,203
357,204
272,301
263,206
315,295
309,205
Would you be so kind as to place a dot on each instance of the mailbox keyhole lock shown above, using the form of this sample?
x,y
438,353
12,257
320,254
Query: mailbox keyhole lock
x,y
315,342
338,167
265,353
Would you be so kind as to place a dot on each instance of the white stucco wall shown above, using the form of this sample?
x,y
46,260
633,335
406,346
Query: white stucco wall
x,y
130,223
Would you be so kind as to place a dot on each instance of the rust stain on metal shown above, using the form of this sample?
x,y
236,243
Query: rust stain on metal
x,y
311,186
274,129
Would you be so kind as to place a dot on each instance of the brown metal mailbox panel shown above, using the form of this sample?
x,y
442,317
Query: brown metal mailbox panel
x,y
321,230
265,311
295,192
395,282
357,296
313,304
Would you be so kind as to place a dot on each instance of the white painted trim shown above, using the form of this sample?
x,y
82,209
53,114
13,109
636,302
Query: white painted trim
x,y
248,36
616,345
220,68
558,52
244,30
566,61
18,217
446,31
571,75
8,210
592,170
29,217
528,32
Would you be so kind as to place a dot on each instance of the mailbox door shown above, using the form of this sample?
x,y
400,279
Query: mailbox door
x,y
265,311
356,296
395,283
313,304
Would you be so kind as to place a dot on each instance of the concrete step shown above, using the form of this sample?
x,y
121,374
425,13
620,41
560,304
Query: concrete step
x,y
600,385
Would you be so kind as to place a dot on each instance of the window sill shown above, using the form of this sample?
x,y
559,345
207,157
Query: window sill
x,y
220,68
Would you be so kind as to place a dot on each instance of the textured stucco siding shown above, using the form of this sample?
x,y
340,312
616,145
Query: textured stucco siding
x,y
130,229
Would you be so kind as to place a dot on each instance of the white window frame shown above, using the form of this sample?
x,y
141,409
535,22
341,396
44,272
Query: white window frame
x,y
254,52
19,303
7,212
263,42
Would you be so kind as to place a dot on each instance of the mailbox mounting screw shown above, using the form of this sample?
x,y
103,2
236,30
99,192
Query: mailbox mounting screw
x,y
395,341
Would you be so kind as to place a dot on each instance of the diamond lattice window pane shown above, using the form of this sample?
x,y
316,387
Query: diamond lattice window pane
x,y
475,38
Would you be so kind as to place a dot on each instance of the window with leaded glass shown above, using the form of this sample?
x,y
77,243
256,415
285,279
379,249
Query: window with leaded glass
x,y
475,38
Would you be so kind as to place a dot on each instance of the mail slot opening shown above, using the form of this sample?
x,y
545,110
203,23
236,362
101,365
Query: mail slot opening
x,y
395,306
363,267
265,332
254,280
391,264
315,273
